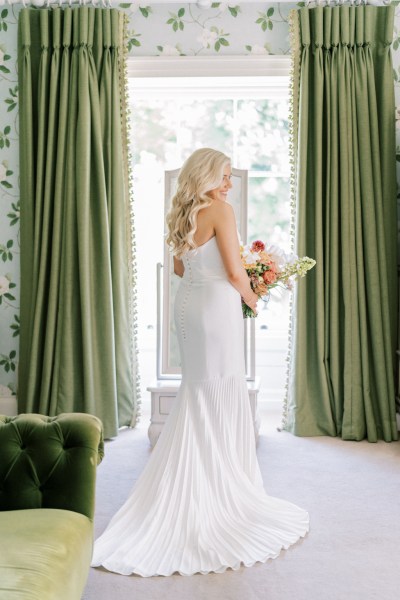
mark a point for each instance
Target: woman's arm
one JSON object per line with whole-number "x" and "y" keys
{"x": 227, "y": 239}
{"x": 179, "y": 269}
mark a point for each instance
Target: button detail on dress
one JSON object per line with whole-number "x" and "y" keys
{"x": 188, "y": 280}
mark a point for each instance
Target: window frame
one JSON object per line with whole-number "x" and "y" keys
{"x": 240, "y": 77}
{"x": 272, "y": 65}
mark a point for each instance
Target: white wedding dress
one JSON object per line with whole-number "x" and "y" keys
{"x": 199, "y": 505}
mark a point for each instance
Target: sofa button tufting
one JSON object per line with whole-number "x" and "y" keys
{"x": 29, "y": 536}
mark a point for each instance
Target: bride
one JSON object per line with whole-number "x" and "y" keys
{"x": 199, "y": 505}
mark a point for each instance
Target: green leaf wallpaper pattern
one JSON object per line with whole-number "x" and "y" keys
{"x": 226, "y": 28}
{"x": 9, "y": 198}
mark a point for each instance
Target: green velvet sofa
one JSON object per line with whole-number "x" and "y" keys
{"x": 47, "y": 492}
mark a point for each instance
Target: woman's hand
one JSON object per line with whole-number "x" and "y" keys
{"x": 251, "y": 301}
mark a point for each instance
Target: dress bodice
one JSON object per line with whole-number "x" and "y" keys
{"x": 203, "y": 263}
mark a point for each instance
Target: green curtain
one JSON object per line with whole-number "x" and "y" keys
{"x": 76, "y": 346}
{"x": 345, "y": 321}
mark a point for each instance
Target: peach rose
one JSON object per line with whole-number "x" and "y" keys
{"x": 269, "y": 276}
{"x": 260, "y": 288}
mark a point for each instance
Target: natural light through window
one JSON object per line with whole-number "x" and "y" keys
{"x": 246, "y": 118}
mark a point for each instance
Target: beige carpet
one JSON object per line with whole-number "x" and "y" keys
{"x": 351, "y": 490}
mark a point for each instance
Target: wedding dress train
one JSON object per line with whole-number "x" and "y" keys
{"x": 199, "y": 505}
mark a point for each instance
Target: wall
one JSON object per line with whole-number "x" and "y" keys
{"x": 172, "y": 29}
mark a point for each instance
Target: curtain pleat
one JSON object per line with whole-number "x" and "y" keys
{"x": 75, "y": 331}
{"x": 344, "y": 338}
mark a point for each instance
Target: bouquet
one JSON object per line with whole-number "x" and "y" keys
{"x": 270, "y": 267}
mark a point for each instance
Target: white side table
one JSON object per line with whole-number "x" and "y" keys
{"x": 163, "y": 393}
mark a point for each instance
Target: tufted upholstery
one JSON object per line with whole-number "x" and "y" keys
{"x": 47, "y": 489}
{"x": 49, "y": 462}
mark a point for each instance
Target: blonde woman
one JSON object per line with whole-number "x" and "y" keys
{"x": 199, "y": 506}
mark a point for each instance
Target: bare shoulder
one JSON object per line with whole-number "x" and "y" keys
{"x": 220, "y": 210}
{"x": 221, "y": 207}
{"x": 214, "y": 214}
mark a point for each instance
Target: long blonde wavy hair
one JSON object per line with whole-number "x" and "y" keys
{"x": 201, "y": 173}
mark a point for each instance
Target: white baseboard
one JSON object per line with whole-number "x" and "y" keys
{"x": 8, "y": 406}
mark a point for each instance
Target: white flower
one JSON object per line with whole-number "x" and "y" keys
{"x": 249, "y": 256}
{"x": 207, "y": 38}
{"x": 205, "y": 4}
{"x": 278, "y": 256}
{"x": 169, "y": 51}
{"x": 256, "y": 49}
{"x": 291, "y": 258}
{"x": 397, "y": 117}
{"x": 5, "y": 391}
{"x": 4, "y": 285}
{"x": 3, "y": 171}
{"x": 1, "y": 57}
{"x": 134, "y": 7}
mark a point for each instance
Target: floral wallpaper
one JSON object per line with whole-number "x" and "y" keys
{"x": 9, "y": 201}
{"x": 226, "y": 28}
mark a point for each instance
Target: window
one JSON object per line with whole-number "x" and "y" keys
{"x": 245, "y": 116}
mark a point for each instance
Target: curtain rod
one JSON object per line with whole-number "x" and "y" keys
{"x": 205, "y": 4}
